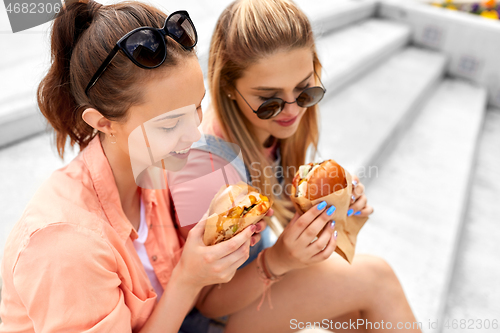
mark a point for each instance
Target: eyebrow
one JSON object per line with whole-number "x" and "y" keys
{"x": 169, "y": 117}
{"x": 280, "y": 89}
{"x": 173, "y": 116}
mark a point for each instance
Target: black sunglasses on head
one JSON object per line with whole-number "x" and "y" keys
{"x": 146, "y": 46}
{"x": 273, "y": 106}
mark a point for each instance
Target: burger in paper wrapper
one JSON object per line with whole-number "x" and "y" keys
{"x": 328, "y": 181}
{"x": 234, "y": 208}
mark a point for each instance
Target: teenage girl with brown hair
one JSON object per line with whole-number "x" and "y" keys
{"x": 94, "y": 252}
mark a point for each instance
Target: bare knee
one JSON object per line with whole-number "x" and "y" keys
{"x": 377, "y": 270}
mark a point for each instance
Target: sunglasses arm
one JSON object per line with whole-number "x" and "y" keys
{"x": 103, "y": 67}
{"x": 322, "y": 85}
{"x": 244, "y": 99}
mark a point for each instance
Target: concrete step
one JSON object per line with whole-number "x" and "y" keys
{"x": 327, "y": 15}
{"x": 21, "y": 71}
{"x": 471, "y": 42}
{"x": 353, "y": 51}
{"x": 474, "y": 291}
{"x": 420, "y": 192}
{"x": 360, "y": 123}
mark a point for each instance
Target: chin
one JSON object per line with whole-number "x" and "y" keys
{"x": 172, "y": 163}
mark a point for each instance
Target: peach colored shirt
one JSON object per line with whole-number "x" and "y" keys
{"x": 69, "y": 263}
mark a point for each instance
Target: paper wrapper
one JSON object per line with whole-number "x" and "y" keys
{"x": 224, "y": 200}
{"x": 347, "y": 226}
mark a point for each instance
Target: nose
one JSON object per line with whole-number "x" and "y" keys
{"x": 191, "y": 135}
{"x": 291, "y": 108}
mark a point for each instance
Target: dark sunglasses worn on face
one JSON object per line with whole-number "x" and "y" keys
{"x": 273, "y": 106}
{"x": 146, "y": 46}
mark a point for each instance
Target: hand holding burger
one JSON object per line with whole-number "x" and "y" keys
{"x": 316, "y": 180}
{"x": 327, "y": 181}
{"x": 233, "y": 209}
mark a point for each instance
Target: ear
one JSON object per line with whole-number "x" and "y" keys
{"x": 229, "y": 91}
{"x": 231, "y": 94}
{"x": 95, "y": 119}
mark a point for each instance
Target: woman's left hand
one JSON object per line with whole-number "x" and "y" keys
{"x": 359, "y": 206}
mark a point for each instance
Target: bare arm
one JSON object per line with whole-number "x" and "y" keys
{"x": 176, "y": 302}
{"x": 214, "y": 302}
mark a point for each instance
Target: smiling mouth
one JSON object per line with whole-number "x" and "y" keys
{"x": 184, "y": 151}
{"x": 182, "y": 154}
{"x": 287, "y": 122}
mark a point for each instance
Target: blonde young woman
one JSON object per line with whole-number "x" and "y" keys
{"x": 264, "y": 81}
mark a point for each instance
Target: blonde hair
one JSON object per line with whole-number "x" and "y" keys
{"x": 247, "y": 31}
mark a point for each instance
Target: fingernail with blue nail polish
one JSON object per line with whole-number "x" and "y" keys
{"x": 322, "y": 205}
{"x": 335, "y": 234}
{"x": 349, "y": 212}
{"x": 357, "y": 213}
{"x": 354, "y": 183}
{"x": 330, "y": 210}
{"x": 332, "y": 225}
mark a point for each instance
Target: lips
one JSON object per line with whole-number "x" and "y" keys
{"x": 181, "y": 151}
{"x": 287, "y": 121}
{"x": 184, "y": 153}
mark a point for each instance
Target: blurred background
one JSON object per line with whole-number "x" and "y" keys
{"x": 416, "y": 85}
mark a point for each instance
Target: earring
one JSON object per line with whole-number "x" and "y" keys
{"x": 113, "y": 139}
{"x": 229, "y": 95}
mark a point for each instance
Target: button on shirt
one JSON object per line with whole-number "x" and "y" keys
{"x": 69, "y": 263}
{"x": 143, "y": 254}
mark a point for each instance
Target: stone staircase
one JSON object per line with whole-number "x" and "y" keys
{"x": 423, "y": 141}
{"x": 474, "y": 292}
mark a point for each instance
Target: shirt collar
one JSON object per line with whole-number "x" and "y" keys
{"x": 107, "y": 192}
